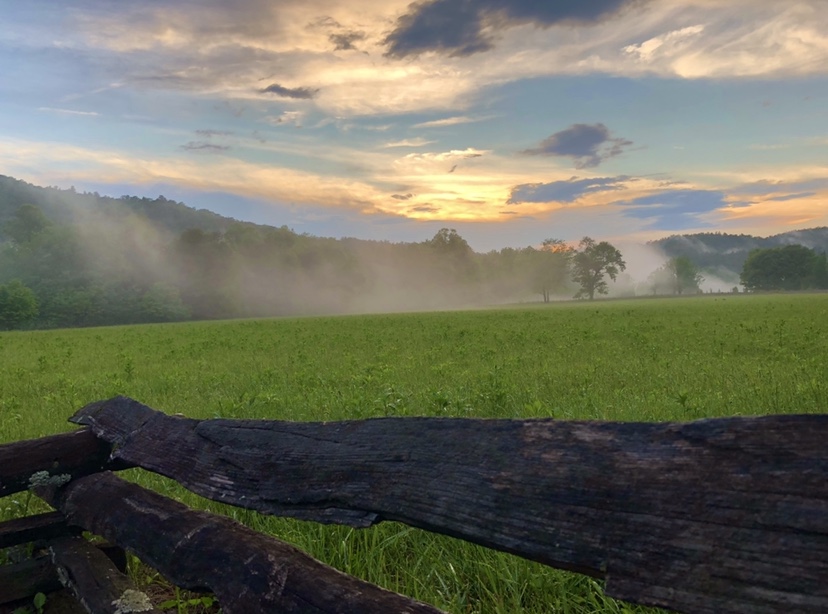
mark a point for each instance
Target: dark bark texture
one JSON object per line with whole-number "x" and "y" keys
{"x": 248, "y": 572}
{"x": 24, "y": 579}
{"x": 50, "y": 460}
{"x": 95, "y": 581}
{"x": 722, "y": 515}
{"x": 32, "y": 528}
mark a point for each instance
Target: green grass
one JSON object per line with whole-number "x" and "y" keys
{"x": 645, "y": 360}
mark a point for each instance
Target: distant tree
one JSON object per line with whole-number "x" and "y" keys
{"x": 447, "y": 240}
{"x": 207, "y": 274}
{"x": 26, "y": 223}
{"x": 162, "y": 303}
{"x": 676, "y": 276}
{"x": 820, "y": 271}
{"x": 550, "y": 267}
{"x": 591, "y": 263}
{"x": 779, "y": 268}
{"x": 454, "y": 253}
{"x": 18, "y": 305}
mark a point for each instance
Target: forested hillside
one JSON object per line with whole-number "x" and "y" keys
{"x": 69, "y": 206}
{"x": 81, "y": 259}
{"x": 725, "y": 254}
{"x": 93, "y": 260}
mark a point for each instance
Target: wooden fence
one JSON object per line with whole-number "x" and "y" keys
{"x": 721, "y": 515}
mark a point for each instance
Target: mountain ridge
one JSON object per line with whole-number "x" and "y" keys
{"x": 712, "y": 251}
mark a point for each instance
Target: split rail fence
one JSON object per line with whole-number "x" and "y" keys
{"x": 712, "y": 516}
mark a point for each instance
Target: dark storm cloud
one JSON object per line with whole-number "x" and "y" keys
{"x": 563, "y": 191}
{"x": 289, "y": 92}
{"x": 448, "y": 26}
{"x": 457, "y": 27}
{"x": 345, "y": 40}
{"x": 587, "y": 144}
{"x": 205, "y": 147}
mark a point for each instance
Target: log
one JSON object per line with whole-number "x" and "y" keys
{"x": 94, "y": 579}
{"x": 50, "y": 460}
{"x": 27, "y": 578}
{"x": 248, "y": 572}
{"x": 32, "y": 528}
{"x": 38, "y": 574}
{"x": 720, "y": 515}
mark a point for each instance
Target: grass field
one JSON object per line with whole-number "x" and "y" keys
{"x": 643, "y": 360}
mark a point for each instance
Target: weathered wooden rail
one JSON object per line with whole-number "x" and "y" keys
{"x": 722, "y": 515}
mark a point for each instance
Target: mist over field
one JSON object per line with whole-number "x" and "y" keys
{"x": 94, "y": 260}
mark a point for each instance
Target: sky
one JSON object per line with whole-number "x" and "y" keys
{"x": 512, "y": 122}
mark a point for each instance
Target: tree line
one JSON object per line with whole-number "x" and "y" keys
{"x": 786, "y": 268}
{"x": 64, "y": 274}
{"x": 124, "y": 270}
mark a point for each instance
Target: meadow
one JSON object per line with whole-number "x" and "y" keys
{"x": 629, "y": 360}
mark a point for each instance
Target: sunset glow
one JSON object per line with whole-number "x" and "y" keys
{"x": 511, "y": 122}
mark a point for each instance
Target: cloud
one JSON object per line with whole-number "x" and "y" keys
{"x": 448, "y": 121}
{"x": 345, "y": 40}
{"x": 454, "y": 154}
{"x": 564, "y": 191}
{"x": 587, "y": 144}
{"x": 67, "y": 111}
{"x": 302, "y": 93}
{"x": 676, "y": 210}
{"x": 211, "y": 133}
{"x": 204, "y": 146}
{"x": 795, "y": 196}
{"x": 784, "y": 189}
{"x": 670, "y": 42}
{"x": 418, "y": 142}
{"x": 287, "y": 118}
{"x": 224, "y": 50}
{"x": 462, "y": 27}
{"x": 425, "y": 209}
{"x": 402, "y": 196}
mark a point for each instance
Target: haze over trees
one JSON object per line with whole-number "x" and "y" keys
{"x": 676, "y": 276}
{"x": 550, "y": 266}
{"x": 91, "y": 260}
{"x": 723, "y": 255}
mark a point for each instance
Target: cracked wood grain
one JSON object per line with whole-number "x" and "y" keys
{"x": 249, "y": 573}
{"x": 56, "y": 458}
{"x": 721, "y": 515}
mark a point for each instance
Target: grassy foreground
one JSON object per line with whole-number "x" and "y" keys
{"x": 643, "y": 360}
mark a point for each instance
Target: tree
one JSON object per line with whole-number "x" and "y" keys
{"x": 162, "y": 303}
{"x": 676, "y": 276}
{"x": 791, "y": 267}
{"x": 550, "y": 267}
{"x": 26, "y": 223}
{"x": 448, "y": 241}
{"x": 591, "y": 262}
{"x": 207, "y": 274}
{"x": 820, "y": 271}
{"x": 455, "y": 255}
{"x": 18, "y": 305}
